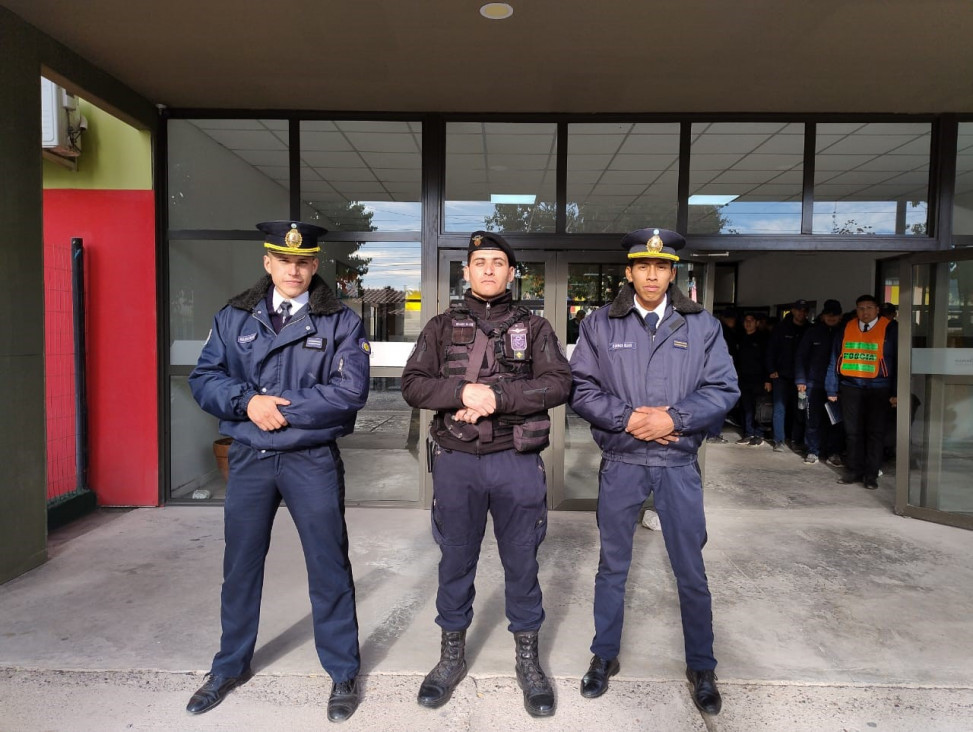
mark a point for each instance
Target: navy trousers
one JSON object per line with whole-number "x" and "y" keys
{"x": 512, "y": 487}
{"x": 865, "y": 413}
{"x": 313, "y": 485}
{"x": 678, "y": 493}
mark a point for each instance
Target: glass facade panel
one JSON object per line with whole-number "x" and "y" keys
{"x": 963, "y": 197}
{"x": 872, "y": 178}
{"x": 362, "y": 175}
{"x": 227, "y": 173}
{"x": 500, "y": 176}
{"x": 746, "y": 178}
{"x": 941, "y": 408}
{"x": 622, "y": 176}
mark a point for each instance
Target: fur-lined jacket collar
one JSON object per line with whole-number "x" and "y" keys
{"x": 321, "y": 300}
{"x": 625, "y": 300}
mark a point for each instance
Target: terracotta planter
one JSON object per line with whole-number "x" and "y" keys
{"x": 221, "y": 450}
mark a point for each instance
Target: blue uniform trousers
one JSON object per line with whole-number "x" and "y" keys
{"x": 512, "y": 487}
{"x": 312, "y": 483}
{"x": 678, "y": 492}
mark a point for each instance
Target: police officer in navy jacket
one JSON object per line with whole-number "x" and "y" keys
{"x": 652, "y": 374}
{"x": 491, "y": 371}
{"x": 285, "y": 368}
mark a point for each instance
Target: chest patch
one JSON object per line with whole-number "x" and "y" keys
{"x": 680, "y": 344}
{"x": 620, "y": 346}
{"x": 315, "y": 342}
{"x": 247, "y": 338}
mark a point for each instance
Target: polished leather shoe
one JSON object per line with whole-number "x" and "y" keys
{"x": 214, "y": 691}
{"x": 706, "y": 696}
{"x": 343, "y": 700}
{"x": 871, "y": 483}
{"x": 595, "y": 682}
{"x": 848, "y": 479}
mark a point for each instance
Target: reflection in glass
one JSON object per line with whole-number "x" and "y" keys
{"x": 381, "y": 455}
{"x": 941, "y": 400}
{"x": 871, "y": 178}
{"x": 963, "y": 195}
{"x": 227, "y": 173}
{"x": 746, "y": 178}
{"x": 500, "y": 176}
{"x": 622, "y": 176}
{"x": 362, "y": 175}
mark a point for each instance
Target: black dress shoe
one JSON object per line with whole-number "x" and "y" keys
{"x": 343, "y": 700}
{"x": 213, "y": 691}
{"x": 706, "y": 696}
{"x": 849, "y": 478}
{"x": 871, "y": 483}
{"x": 595, "y": 682}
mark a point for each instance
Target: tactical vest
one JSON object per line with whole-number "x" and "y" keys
{"x": 508, "y": 356}
{"x": 863, "y": 354}
{"x": 508, "y": 351}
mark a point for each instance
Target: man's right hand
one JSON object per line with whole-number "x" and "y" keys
{"x": 263, "y": 411}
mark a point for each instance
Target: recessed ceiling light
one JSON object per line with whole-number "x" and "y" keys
{"x": 713, "y": 200}
{"x": 513, "y": 198}
{"x": 496, "y": 11}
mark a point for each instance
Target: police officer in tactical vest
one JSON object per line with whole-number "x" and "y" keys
{"x": 491, "y": 371}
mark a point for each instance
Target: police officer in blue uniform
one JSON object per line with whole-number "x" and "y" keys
{"x": 490, "y": 370}
{"x": 652, "y": 375}
{"x": 285, "y": 368}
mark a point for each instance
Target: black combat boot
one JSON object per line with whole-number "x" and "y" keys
{"x": 538, "y": 692}
{"x": 439, "y": 683}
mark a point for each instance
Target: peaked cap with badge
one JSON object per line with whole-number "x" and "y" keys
{"x": 480, "y": 240}
{"x": 653, "y": 244}
{"x": 291, "y": 237}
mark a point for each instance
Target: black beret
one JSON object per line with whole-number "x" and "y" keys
{"x": 291, "y": 237}
{"x": 480, "y": 240}
{"x": 653, "y": 244}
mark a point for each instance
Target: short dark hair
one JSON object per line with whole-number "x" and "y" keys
{"x": 867, "y": 298}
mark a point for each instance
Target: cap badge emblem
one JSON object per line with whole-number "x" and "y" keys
{"x": 654, "y": 244}
{"x": 293, "y": 238}
{"x": 477, "y": 240}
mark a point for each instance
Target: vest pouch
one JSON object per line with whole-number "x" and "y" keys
{"x": 534, "y": 434}
{"x": 463, "y": 431}
{"x": 516, "y": 342}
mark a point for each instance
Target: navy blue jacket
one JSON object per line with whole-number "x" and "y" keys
{"x": 783, "y": 346}
{"x": 617, "y": 366}
{"x": 814, "y": 353}
{"x": 319, "y": 361}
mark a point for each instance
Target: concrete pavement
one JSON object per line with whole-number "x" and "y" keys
{"x": 831, "y": 613}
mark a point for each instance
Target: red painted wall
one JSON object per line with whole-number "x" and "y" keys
{"x": 118, "y": 228}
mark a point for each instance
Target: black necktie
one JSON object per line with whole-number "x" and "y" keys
{"x": 652, "y": 320}
{"x": 865, "y": 328}
{"x": 285, "y": 312}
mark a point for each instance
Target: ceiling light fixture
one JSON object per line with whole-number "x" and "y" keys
{"x": 521, "y": 199}
{"x": 496, "y": 11}
{"x": 704, "y": 200}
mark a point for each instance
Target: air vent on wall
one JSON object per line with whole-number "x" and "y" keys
{"x": 61, "y": 122}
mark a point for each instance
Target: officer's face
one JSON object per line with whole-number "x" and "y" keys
{"x": 750, "y": 324}
{"x": 488, "y": 273}
{"x": 291, "y": 273}
{"x": 800, "y": 315}
{"x": 830, "y": 319}
{"x": 867, "y": 311}
{"x": 651, "y": 278}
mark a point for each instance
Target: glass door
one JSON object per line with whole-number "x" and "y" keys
{"x": 934, "y": 451}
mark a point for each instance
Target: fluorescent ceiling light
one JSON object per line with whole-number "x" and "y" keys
{"x": 496, "y": 11}
{"x": 512, "y": 198}
{"x": 700, "y": 200}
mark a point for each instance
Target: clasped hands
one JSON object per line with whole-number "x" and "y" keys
{"x": 263, "y": 410}
{"x": 478, "y": 401}
{"x": 652, "y": 424}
